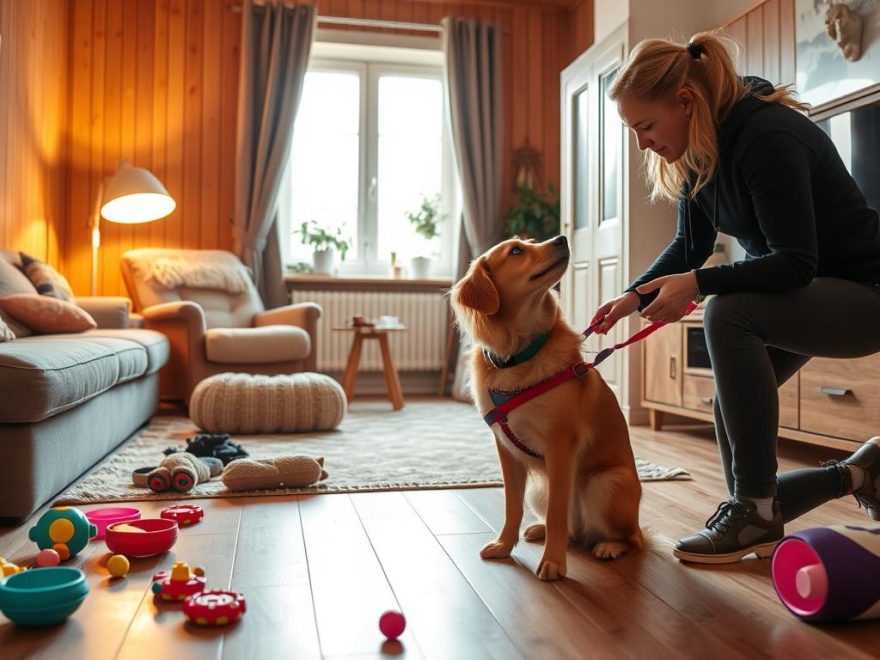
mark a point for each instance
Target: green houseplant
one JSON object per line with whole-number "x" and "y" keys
{"x": 425, "y": 221}
{"x": 323, "y": 245}
{"x": 534, "y": 215}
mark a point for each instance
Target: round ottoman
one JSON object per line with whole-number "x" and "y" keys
{"x": 248, "y": 403}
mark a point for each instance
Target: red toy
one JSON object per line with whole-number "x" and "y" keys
{"x": 179, "y": 583}
{"x": 392, "y": 624}
{"x": 183, "y": 514}
{"x": 215, "y": 607}
{"x": 142, "y": 538}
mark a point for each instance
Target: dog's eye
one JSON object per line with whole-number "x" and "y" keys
{"x": 515, "y": 250}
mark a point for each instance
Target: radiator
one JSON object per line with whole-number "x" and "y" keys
{"x": 421, "y": 347}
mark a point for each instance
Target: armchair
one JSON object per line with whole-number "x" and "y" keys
{"x": 205, "y": 302}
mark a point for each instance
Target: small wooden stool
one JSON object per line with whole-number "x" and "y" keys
{"x": 395, "y": 393}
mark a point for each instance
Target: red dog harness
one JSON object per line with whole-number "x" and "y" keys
{"x": 508, "y": 401}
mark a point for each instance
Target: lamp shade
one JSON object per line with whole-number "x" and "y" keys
{"x": 134, "y": 195}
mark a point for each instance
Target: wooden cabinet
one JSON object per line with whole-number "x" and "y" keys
{"x": 835, "y": 403}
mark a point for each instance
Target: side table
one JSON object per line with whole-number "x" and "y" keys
{"x": 395, "y": 393}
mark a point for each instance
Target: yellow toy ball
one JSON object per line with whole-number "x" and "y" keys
{"x": 118, "y": 566}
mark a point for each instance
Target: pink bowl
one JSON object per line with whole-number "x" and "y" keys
{"x": 157, "y": 535}
{"x": 108, "y": 515}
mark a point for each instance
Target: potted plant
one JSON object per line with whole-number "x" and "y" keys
{"x": 425, "y": 221}
{"x": 323, "y": 243}
{"x": 534, "y": 215}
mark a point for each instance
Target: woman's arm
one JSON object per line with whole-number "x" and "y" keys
{"x": 776, "y": 170}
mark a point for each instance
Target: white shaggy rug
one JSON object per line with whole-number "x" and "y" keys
{"x": 428, "y": 444}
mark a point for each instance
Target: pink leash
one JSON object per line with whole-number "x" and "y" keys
{"x": 499, "y": 414}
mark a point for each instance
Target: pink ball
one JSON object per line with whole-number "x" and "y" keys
{"x": 48, "y": 557}
{"x": 392, "y": 624}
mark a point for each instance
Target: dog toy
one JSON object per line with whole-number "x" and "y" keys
{"x": 183, "y": 514}
{"x": 182, "y": 472}
{"x": 118, "y": 565}
{"x": 8, "y": 568}
{"x": 392, "y": 624}
{"x": 178, "y": 583}
{"x": 213, "y": 445}
{"x": 829, "y": 573}
{"x": 48, "y": 557}
{"x": 283, "y": 472}
{"x": 64, "y": 529}
{"x": 215, "y": 607}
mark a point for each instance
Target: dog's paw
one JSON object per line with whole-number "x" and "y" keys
{"x": 535, "y": 532}
{"x": 610, "y": 549}
{"x": 496, "y": 550}
{"x": 551, "y": 569}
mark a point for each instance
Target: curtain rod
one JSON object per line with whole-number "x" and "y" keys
{"x": 364, "y": 22}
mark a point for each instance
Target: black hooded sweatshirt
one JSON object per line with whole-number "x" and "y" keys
{"x": 783, "y": 192}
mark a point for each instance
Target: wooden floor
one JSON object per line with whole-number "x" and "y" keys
{"x": 318, "y": 571}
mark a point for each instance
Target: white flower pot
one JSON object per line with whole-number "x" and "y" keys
{"x": 420, "y": 268}
{"x": 322, "y": 260}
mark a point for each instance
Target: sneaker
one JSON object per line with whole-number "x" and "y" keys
{"x": 734, "y": 531}
{"x": 866, "y": 457}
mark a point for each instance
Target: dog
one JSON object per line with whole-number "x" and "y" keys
{"x": 584, "y": 483}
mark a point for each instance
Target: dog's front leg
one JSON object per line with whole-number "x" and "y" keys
{"x": 514, "y": 474}
{"x": 560, "y": 479}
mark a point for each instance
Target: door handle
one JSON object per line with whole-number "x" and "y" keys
{"x": 706, "y": 400}
{"x": 673, "y": 372}
{"x": 834, "y": 391}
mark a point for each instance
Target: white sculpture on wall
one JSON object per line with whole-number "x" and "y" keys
{"x": 844, "y": 26}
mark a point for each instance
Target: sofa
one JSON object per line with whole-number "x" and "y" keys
{"x": 67, "y": 400}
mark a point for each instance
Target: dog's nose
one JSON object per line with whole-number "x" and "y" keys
{"x": 560, "y": 240}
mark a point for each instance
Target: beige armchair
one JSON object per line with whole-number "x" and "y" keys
{"x": 206, "y": 303}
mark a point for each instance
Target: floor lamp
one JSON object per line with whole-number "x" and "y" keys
{"x": 131, "y": 196}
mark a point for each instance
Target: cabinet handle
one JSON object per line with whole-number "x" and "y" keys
{"x": 834, "y": 391}
{"x": 673, "y": 372}
{"x": 706, "y": 400}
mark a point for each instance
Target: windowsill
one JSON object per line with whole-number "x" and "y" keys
{"x": 362, "y": 283}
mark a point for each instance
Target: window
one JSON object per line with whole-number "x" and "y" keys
{"x": 370, "y": 141}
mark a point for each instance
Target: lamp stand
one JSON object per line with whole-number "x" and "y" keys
{"x": 95, "y": 225}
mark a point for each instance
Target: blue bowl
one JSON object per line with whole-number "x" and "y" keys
{"x": 43, "y": 596}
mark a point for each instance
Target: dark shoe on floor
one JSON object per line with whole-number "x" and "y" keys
{"x": 866, "y": 457}
{"x": 734, "y": 531}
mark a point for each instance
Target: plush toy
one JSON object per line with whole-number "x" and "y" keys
{"x": 283, "y": 472}
{"x": 182, "y": 472}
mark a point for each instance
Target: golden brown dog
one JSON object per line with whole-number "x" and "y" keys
{"x": 586, "y": 486}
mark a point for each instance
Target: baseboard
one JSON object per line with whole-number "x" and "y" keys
{"x": 415, "y": 383}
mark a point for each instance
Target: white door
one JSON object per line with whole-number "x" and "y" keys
{"x": 592, "y": 192}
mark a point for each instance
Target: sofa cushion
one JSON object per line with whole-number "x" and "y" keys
{"x": 155, "y": 343}
{"x": 46, "y": 315}
{"x": 132, "y": 356}
{"x": 269, "y": 343}
{"x": 13, "y": 281}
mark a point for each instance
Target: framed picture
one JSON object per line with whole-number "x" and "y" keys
{"x": 837, "y": 50}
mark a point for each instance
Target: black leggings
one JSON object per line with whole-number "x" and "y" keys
{"x": 756, "y": 342}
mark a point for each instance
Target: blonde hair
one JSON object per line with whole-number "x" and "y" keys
{"x": 656, "y": 69}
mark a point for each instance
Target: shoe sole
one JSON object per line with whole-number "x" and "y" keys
{"x": 763, "y": 551}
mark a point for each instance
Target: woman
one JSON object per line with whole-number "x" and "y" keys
{"x": 738, "y": 157}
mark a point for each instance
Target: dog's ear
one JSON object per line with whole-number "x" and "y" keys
{"x": 477, "y": 290}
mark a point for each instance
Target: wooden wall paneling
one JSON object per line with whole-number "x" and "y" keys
{"x": 111, "y": 233}
{"x": 96, "y": 119}
{"x": 159, "y": 142}
{"x": 143, "y": 90}
{"x": 738, "y": 32}
{"x": 771, "y": 45}
{"x": 228, "y": 118}
{"x": 755, "y": 42}
{"x": 209, "y": 214}
{"x": 787, "y": 41}
{"x": 191, "y": 216}
{"x": 128, "y": 114}
{"x": 174, "y": 149}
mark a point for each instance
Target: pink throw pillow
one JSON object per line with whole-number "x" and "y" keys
{"x": 46, "y": 315}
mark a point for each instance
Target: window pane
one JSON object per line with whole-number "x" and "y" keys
{"x": 410, "y": 161}
{"x": 612, "y": 147}
{"x": 581, "y": 162}
{"x": 324, "y": 160}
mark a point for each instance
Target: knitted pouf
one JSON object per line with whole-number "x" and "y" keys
{"x": 246, "y": 403}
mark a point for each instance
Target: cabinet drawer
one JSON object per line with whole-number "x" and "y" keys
{"x": 841, "y": 397}
{"x": 698, "y": 393}
{"x": 789, "y": 403}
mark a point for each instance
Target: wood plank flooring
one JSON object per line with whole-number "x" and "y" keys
{"x": 318, "y": 571}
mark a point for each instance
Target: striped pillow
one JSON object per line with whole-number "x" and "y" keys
{"x": 46, "y": 280}
{"x": 5, "y": 333}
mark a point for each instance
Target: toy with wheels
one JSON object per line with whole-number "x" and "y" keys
{"x": 179, "y": 583}
{"x": 8, "y": 568}
{"x": 183, "y": 514}
{"x": 214, "y": 607}
{"x": 829, "y": 573}
{"x": 64, "y": 529}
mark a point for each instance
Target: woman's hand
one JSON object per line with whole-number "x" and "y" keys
{"x": 676, "y": 294}
{"x": 614, "y": 310}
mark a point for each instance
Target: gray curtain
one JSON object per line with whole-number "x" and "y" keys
{"x": 473, "y": 68}
{"x": 276, "y": 40}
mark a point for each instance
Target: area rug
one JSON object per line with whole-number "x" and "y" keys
{"x": 428, "y": 444}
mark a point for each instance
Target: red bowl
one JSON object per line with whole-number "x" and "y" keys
{"x": 105, "y": 516}
{"x": 158, "y": 535}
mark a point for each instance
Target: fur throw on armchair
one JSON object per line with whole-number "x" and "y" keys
{"x": 172, "y": 273}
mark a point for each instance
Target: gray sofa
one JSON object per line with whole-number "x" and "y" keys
{"x": 67, "y": 400}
